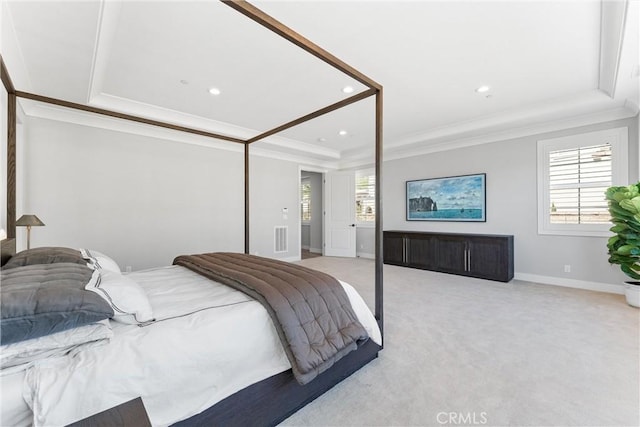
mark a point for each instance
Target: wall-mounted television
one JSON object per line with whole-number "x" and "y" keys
{"x": 452, "y": 198}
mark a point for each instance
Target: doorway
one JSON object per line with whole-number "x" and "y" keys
{"x": 311, "y": 213}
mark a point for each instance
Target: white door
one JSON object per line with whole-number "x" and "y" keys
{"x": 340, "y": 214}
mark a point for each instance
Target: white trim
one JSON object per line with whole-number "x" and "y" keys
{"x": 612, "y": 23}
{"x": 83, "y": 118}
{"x": 429, "y": 144}
{"x": 18, "y": 68}
{"x": 290, "y": 259}
{"x": 571, "y": 283}
{"x": 618, "y": 137}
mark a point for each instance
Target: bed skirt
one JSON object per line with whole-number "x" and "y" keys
{"x": 271, "y": 401}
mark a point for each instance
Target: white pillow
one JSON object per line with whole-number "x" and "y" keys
{"x": 57, "y": 344}
{"x": 100, "y": 260}
{"x": 128, "y": 300}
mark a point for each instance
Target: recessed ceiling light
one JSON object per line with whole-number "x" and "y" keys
{"x": 483, "y": 89}
{"x": 342, "y": 133}
{"x": 214, "y": 91}
{"x": 348, "y": 89}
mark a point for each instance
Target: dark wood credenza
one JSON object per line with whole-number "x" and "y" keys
{"x": 486, "y": 256}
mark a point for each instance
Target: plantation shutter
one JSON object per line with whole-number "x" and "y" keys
{"x": 578, "y": 178}
{"x": 365, "y": 197}
{"x": 305, "y": 199}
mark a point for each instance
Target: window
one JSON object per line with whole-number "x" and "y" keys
{"x": 573, "y": 174}
{"x": 305, "y": 199}
{"x": 365, "y": 196}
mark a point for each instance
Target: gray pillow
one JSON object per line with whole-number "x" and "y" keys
{"x": 42, "y": 299}
{"x": 46, "y": 255}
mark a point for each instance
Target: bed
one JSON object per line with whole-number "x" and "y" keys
{"x": 262, "y": 397}
{"x": 173, "y": 329}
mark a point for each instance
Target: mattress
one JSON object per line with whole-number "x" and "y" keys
{"x": 208, "y": 342}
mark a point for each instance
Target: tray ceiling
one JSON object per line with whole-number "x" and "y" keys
{"x": 158, "y": 59}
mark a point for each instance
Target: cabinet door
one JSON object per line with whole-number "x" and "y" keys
{"x": 393, "y": 249}
{"x": 488, "y": 258}
{"x": 421, "y": 251}
{"x": 451, "y": 256}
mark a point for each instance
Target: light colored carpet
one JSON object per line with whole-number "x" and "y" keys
{"x": 463, "y": 351}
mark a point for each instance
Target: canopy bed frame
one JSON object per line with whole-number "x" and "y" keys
{"x": 274, "y": 399}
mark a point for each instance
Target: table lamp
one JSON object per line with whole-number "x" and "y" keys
{"x": 29, "y": 221}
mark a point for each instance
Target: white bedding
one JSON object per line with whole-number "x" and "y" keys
{"x": 175, "y": 364}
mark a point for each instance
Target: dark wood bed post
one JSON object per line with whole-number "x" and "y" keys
{"x": 11, "y": 149}
{"x": 374, "y": 88}
{"x": 246, "y": 198}
{"x": 378, "y": 240}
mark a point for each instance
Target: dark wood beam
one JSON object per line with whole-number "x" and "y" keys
{"x": 287, "y": 33}
{"x": 124, "y": 116}
{"x": 362, "y": 95}
{"x": 6, "y": 78}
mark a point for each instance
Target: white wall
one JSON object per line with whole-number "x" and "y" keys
{"x": 511, "y": 205}
{"x": 274, "y": 185}
{"x": 142, "y": 200}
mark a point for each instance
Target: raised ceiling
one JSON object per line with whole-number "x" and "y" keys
{"x": 545, "y": 62}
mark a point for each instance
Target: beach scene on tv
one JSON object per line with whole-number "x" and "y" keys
{"x": 460, "y": 198}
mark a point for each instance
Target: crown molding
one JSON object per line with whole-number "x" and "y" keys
{"x": 108, "y": 18}
{"x": 83, "y": 118}
{"x": 395, "y": 153}
{"x": 612, "y": 22}
{"x": 12, "y": 51}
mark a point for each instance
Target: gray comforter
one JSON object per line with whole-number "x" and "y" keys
{"x": 310, "y": 309}
{"x": 42, "y": 299}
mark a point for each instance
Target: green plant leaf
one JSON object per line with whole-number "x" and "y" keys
{"x": 624, "y": 250}
{"x": 617, "y": 212}
{"x": 628, "y": 205}
{"x": 629, "y": 272}
{"x": 636, "y": 202}
{"x": 619, "y": 227}
{"x": 624, "y": 247}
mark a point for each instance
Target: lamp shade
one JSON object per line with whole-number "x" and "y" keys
{"x": 29, "y": 220}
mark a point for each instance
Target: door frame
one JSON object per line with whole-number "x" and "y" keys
{"x": 322, "y": 171}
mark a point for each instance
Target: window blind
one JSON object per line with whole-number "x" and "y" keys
{"x": 365, "y": 197}
{"x": 578, "y": 178}
{"x": 305, "y": 200}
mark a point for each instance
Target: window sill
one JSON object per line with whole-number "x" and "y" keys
{"x": 577, "y": 233}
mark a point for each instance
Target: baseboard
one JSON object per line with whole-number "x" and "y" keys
{"x": 366, "y": 255}
{"x": 305, "y": 247}
{"x": 571, "y": 283}
{"x": 315, "y": 250}
{"x": 289, "y": 259}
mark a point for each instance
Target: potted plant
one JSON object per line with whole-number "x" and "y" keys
{"x": 624, "y": 246}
